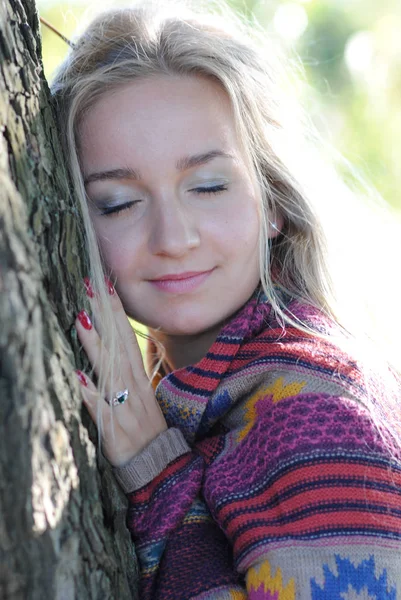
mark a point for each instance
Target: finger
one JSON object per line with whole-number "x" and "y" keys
{"x": 120, "y": 379}
{"x": 95, "y": 304}
{"x": 91, "y": 342}
{"x": 95, "y": 350}
{"x": 118, "y": 372}
{"x": 99, "y": 410}
{"x": 130, "y": 354}
{"x": 128, "y": 338}
{"x": 90, "y": 395}
{"x": 116, "y": 444}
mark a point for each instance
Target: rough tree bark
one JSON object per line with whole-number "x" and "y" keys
{"x": 62, "y": 530}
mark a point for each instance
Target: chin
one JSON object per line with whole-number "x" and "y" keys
{"x": 190, "y": 328}
{"x": 185, "y": 324}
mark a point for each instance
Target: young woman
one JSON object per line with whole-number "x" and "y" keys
{"x": 264, "y": 460}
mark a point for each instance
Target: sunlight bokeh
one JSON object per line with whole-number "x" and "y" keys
{"x": 352, "y": 58}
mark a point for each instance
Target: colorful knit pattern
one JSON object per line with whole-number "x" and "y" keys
{"x": 289, "y": 491}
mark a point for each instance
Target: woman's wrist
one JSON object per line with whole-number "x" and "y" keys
{"x": 152, "y": 460}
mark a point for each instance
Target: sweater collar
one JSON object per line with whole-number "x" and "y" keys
{"x": 185, "y": 393}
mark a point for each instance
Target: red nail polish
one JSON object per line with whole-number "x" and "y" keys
{"x": 82, "y": 378}
{"x": 88, "y": 287}
{"x": 84, "y": 319}
{"x": 110, "y": 286}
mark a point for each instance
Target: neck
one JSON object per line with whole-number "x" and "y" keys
{"x": 185, "y": 350}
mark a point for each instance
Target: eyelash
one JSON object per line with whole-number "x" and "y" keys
{"x": 215, "y": 189}
{"x": 115, "y": 210}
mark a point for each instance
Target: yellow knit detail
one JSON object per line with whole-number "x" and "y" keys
{"x": 263, "y": 575}
{"x": 278, "y": 391}
{"x": 237, "y": 595}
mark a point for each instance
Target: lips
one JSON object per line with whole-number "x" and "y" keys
{"x": 180, "y": 282}
{"x": 177, "y": 276}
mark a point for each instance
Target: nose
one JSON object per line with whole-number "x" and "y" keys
{"x": 174, "y": 230}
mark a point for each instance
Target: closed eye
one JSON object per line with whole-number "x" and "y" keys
{"x": 212, "y": 189}
{"x": 115, "y": 210}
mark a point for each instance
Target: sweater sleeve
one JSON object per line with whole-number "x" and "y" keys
{"x": 153, "y": 459}
{"x": 182, "y": 551}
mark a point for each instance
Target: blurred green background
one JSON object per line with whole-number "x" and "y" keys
{"x": 352, "y": 56}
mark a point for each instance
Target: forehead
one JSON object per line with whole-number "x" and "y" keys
{"x": 160, "y": 117}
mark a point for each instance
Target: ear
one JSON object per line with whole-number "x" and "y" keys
{"x": 275, "y": 226}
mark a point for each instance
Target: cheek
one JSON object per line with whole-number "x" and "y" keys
{"x": 240, "y": 234}
{"x": 118, "y": 252}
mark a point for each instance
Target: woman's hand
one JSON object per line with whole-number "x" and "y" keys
{"x": 126, "y": 428}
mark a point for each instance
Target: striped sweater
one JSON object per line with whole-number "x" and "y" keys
{"x": 271, "y": 482}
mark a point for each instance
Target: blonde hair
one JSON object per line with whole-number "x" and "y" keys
{"x": 122, "y": 45}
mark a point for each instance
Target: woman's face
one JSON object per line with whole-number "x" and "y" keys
{"x": 174, "y": 207}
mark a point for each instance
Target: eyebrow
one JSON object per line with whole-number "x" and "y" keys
{"x": 188, "y": 162}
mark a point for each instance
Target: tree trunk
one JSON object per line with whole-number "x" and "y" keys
{"x": 62, "y": 520}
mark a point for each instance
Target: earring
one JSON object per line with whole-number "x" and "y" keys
{"x": 273, "y": 225}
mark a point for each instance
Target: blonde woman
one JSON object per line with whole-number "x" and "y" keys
{"x": 259, "y": 451}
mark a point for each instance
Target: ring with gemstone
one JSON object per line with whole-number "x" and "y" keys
{"x": 118, "y": 399}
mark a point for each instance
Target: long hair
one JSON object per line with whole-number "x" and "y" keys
{"x": 279, "y": 144}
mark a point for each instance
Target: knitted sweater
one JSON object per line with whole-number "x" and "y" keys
{"x": 271, "y": 482}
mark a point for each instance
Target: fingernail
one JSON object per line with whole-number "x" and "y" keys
{"x": 110, "y": 286}
{"x": 82, "y": 378}
{"x": 84, "y": 320}
{"x": 88, "y": 287}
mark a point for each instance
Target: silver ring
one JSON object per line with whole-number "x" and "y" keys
{"x": 118, "y": 399}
